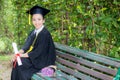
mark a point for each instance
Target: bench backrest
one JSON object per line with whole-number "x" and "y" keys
{"x": 76, "y": 64}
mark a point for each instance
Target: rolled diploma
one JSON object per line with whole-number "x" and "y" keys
{"x": 16, "y": 52}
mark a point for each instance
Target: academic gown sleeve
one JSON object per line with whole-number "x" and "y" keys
{"x": 28, "y": 42}
{"x": 52, "y": 53}
{"x": 43, "y": 53}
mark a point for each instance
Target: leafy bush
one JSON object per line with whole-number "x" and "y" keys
{"x": 5, "y": 45}
{"x": 92, "y": 25}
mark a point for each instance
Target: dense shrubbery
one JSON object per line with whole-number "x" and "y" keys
{"x": 92, "y": 25}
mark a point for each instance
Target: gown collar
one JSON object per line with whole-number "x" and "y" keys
{"x": 37, "y": 31}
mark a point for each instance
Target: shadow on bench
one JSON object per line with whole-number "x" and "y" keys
{"x": 76, "y": 64}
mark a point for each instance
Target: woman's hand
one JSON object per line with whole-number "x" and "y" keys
{"x": 21, "y": 51}
{"x": 24, "y": 55}
{"x": 14, "y": 57}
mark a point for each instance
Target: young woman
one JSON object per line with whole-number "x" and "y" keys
{"x": 42, "y": 52}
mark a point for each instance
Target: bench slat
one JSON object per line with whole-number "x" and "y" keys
{"x": 87, "y": 63}
{"x": 45, "y": 78}
{"x": 36, "y": 77}
{"x": 87, "y": 55}
{"x": 72, "y": 72}
{"x": 57, "y": 77}
{"x": 85, "y": 70}
{"x": 68, "y": 77}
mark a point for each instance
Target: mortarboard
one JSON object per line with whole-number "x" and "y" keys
{"x": 37, "y": 10}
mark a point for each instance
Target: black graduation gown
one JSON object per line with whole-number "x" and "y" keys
{"x": 42, "y": 55}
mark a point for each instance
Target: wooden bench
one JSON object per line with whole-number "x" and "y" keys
{"x": 76, "y": 64}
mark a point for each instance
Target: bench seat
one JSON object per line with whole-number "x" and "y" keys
{"x": 76, "y": 64}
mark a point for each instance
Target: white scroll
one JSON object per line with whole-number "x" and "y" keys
{"x": 16, "y": 52}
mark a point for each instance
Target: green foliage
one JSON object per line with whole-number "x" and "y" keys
{"x": 7, "y": 17}
{"x": 5, "y": 45}
{"x": 92, "y": 25}
{"x": 5, "y": 57}
{"x": 2, "y": 46}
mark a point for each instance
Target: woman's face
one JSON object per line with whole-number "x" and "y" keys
{"x": 37, "y": 20}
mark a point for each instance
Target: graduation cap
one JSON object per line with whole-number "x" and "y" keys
{"x": 37, "y": 10}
